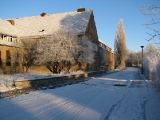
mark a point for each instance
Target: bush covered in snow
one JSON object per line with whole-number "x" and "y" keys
{"x": 151, "y": 63}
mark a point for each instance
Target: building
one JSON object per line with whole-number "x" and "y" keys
{"x": 13, "y": 31}
{"x": 10, "y": 49}
{"x": 106, "y": 56}
{"x": 80, "y": 22}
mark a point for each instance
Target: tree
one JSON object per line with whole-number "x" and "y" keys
{"x": 17, "y": 55}
{"x": 149, "y": 50}
{"x": 29, "y": 52}
{"x": 152, "y": 11}
{"x": 120, "y": 46}
{"x": 152, "y": 63}
{"x": 132, "y": 59}
{"x": 61, "y": 49}
{"x": 151, "y": 53}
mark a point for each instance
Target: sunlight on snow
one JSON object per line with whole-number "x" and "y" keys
{"x": 58, "y": 106}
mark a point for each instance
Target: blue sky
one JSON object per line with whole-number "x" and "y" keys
{"x": 107, "y": 14}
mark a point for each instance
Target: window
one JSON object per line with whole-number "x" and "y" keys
{"x": 0, "y": 59}
{"x": 4, "y": 37}
{"x": 11, "y": 39}
{"x": 8, "y": 58}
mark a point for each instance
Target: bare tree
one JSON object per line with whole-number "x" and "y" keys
{"x": 120, "y": 46}
{"x": 29, "y": 52}
{"x": 61, "y": 49}
{"x": 153, "y": 12}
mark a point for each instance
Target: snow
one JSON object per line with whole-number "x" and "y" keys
{"x": 95, "y": 99}
{"x": 7, "y": 28}
{"x": 50, "y": 23}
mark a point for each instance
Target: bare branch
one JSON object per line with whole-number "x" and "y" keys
{"x": 150, "y": 10}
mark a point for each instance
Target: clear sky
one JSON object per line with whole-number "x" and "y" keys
{"x": 107, "y": 14}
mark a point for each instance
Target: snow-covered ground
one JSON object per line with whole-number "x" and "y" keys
{"x": 95, "y": 99}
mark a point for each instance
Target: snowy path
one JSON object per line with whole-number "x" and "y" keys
{"x": 95, "y": 99}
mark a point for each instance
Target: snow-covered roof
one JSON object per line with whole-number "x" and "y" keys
{"x": 100, "y": 41}
{"x": 37, "y": 25}
{"x": 7, "y": 28}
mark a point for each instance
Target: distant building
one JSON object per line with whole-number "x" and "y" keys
{"x": 14, "y": 31}
{"x": 106, "y": 56}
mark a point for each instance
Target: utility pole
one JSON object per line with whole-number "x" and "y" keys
{"x": 142, "y": 60}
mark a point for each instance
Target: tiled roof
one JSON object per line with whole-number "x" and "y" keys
{"x": 47, "y": 25}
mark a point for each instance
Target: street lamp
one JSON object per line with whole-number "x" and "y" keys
{"x": 142, "y": 60}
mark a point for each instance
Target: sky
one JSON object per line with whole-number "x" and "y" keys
{"x": 107, "y": 13}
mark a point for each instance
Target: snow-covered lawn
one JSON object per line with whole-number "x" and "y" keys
{"x": 95, "y": 99}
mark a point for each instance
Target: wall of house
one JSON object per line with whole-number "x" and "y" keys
{"x": 110, "y": 60}
{"x": 10, "y": 60}
{"x": 91, "y": 32}
{"x": 106, "y": 58}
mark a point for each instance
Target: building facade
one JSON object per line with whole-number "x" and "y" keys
{"x": 106, "y": 56}
{"x": 13, "y": 32}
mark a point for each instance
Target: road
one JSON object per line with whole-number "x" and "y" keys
{"x": 124, "y": 95}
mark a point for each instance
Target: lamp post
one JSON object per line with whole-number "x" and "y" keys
{"x": 142, "y": 60}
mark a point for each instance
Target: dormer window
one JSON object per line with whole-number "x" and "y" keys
{"x": 41, "y": 30}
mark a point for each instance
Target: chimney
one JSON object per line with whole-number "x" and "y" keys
{"x": 43, "y": 14}
{"x": 12, "y": 22}
{"x": 81, "y": 9}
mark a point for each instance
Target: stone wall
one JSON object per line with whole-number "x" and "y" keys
{"x": 22, "y": 83}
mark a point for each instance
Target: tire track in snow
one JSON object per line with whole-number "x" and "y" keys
{"x": 143, "y": 107}
{"x": 113, "y": 107}
{"x": 124, "y": 96}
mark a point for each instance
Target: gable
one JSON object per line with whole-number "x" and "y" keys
{"x": 91, "y": 30}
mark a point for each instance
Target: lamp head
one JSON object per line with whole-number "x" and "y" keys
{"x": 142, "y": 47}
